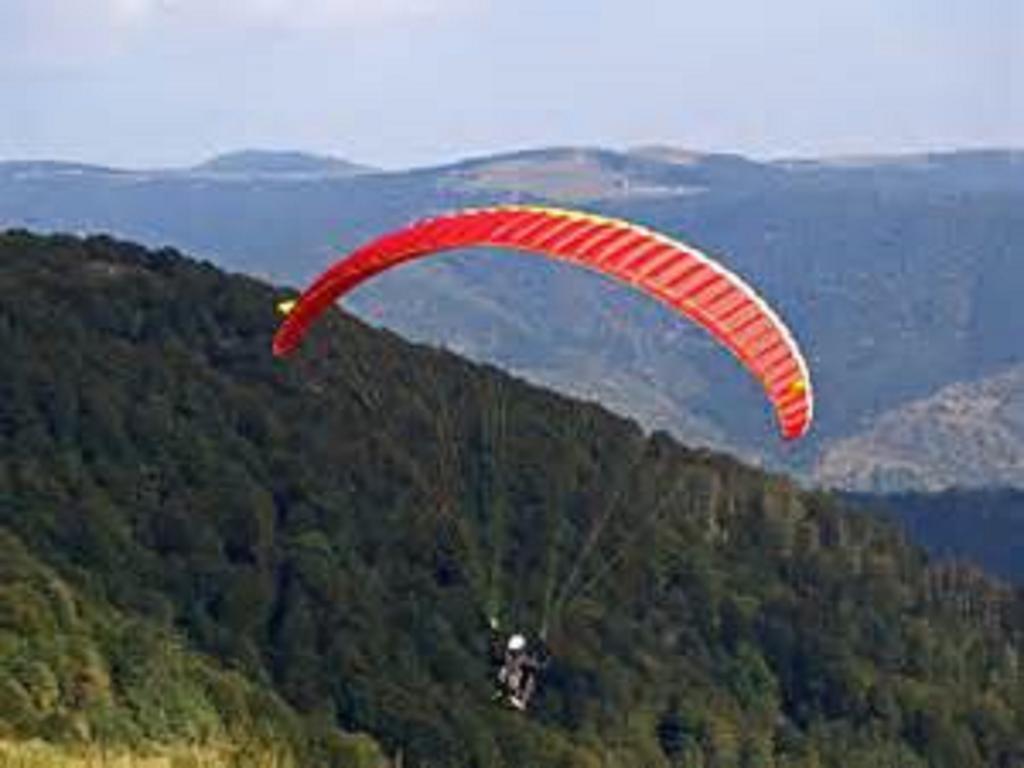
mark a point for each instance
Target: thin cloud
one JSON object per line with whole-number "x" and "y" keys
{"x": 295, "y": 14}
{"x": 28, "y": 25}
{"x": 71, "y": 37}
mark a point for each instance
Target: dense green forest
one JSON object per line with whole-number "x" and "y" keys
{"x": 331, "y": 532}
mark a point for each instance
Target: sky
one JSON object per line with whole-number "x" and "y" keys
{"x": 400, "y": 83}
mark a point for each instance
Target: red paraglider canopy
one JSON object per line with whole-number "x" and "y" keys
{"x": 676, "y": 274}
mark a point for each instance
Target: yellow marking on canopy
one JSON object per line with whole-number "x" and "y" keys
{"x": 798, "y": 385}
{"x": 286, "y": 306}
{"x": 564, "y": 213}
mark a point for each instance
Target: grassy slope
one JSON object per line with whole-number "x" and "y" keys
{"x": 102, "y": 688}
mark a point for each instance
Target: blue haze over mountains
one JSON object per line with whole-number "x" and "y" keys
{"x": 901, "y": 276}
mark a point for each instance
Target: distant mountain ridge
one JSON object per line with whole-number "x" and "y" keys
{"x": 900, "y": 276}
{"x": 279, "y": 164}
{"x": 284, "y": 165}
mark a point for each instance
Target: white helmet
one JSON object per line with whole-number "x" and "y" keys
{"x": 516, "y": 643}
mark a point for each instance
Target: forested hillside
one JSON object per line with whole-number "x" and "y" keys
{"x": 337, "y": 528}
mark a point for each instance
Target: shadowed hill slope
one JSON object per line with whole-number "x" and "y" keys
{"x": 340, "y": 525}
{"x": 985, "y": 527}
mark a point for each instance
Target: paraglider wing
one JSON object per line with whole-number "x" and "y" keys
{"x": 674, "y": 273}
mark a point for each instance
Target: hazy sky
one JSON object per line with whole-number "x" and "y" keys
{"x": 402, "y": 82}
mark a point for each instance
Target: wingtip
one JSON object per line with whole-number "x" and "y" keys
{"x": 282, "y": 345}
